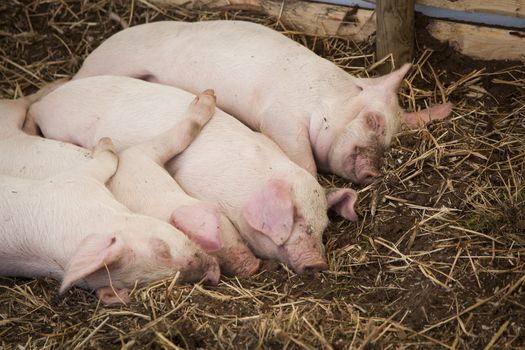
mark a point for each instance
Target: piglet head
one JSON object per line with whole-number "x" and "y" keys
{"x": 281, "y": 231}
{"x": 174, "y": 251}
{"x": 205, "y": 225}
{"x": 112, "y": 263}
{"x": 357, "y": 152}
{"x": 352, "y": 144}
{"x": 363, "y": 128}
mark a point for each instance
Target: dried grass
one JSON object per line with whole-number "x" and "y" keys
{"x": 436, "y": 260}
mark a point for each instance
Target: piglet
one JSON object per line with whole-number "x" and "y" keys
{"x": 278, "y": 207}
{"x": 315, "y": 111}
{"x": 140, "y": 182}
{"x": 70, "y": 227}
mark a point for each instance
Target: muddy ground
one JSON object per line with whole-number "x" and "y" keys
{"x": 435, "y": 261}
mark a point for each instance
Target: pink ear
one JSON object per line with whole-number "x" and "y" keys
{"x": 342, "y": 201}
{"x": 390, "y": 81}
{"x": 93, "y": 253}
{"x": 395, "y": 78}
{"x": 415, "y": 120}
{"x": 376, "y": 122}
{"x": 201, "y": 223}
{"x": 271, "y": 210}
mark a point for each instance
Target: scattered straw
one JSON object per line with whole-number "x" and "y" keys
{"x": 436, "y": 261}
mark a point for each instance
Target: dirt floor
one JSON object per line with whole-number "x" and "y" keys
{"x": 435, "y": 261}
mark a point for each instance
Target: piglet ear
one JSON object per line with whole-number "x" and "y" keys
{"x": 394, "y": 79}
{"x": 388, "y": 82}
{"x": 201, "y": 223}
{"x": 95, "y": 252}
{"x": 342, "y": 201}
{"x": 271, "y": 210}
{"x": 419, "y": 119}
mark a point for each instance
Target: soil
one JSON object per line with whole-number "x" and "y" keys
{"x": 452, "y": 65}
{"x": 435, "y": 261}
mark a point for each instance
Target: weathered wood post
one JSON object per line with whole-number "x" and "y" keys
{"x": 395, "y": 31}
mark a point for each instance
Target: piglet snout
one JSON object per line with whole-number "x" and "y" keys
{"x": 202, "y": 267}
{"x": 306, "y": 258}
{"x": 366, "y": 176}
{"x": 212, "y": 275}
{"x": 251, "y": 268}
{"x": 366, "y": 165}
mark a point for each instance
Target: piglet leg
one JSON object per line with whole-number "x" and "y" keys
{"x": 172, "y": 142}
{"x": 295, "y": 144}
{"x": 419, "y": 119}
{"x": 110, "y": 296}
{"x": 104, "y": 163}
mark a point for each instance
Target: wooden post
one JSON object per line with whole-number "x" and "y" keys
{"x": 395, "y": 31}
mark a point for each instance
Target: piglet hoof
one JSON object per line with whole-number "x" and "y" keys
{"x": 312, "y": 268}
{"x": 419, "y": 119}
{"x": 104, "y": 145}
{"x": 110, "y": 296}
{"x": 117, "y": 19}
{"x": 203, "y": 107}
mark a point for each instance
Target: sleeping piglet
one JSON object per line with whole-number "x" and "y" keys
{"x": 278, "y": 207}
{"x": 70, "y": 227}
{"x": 140, "y": 183}
{"x": 315, "y": 111}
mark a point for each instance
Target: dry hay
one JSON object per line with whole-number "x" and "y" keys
{"x": 436, "y": 260}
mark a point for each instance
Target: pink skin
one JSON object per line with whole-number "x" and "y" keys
{"x": 142, "y": 184}
{"x": 102, "y": 257}
{"x": 13, "y": 112}
{"x": 306, "y": 104}
{"x": 419, "y": 119}
{"x": 275, "y": 204}
{"x": 203, "y": 228}
{"x": 342, "y": 201}
{"x": 160, "y": 196}
{"x": 302, "y": 257}
{"x": 281, "y": 225}
{"x": 203, "y": 223}
{"x": 97, "y": 244}
{"x": 355, "y": 151}
{"x": 272, "y": 214}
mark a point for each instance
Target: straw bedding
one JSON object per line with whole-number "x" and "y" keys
{"x": 435, "y": 261}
